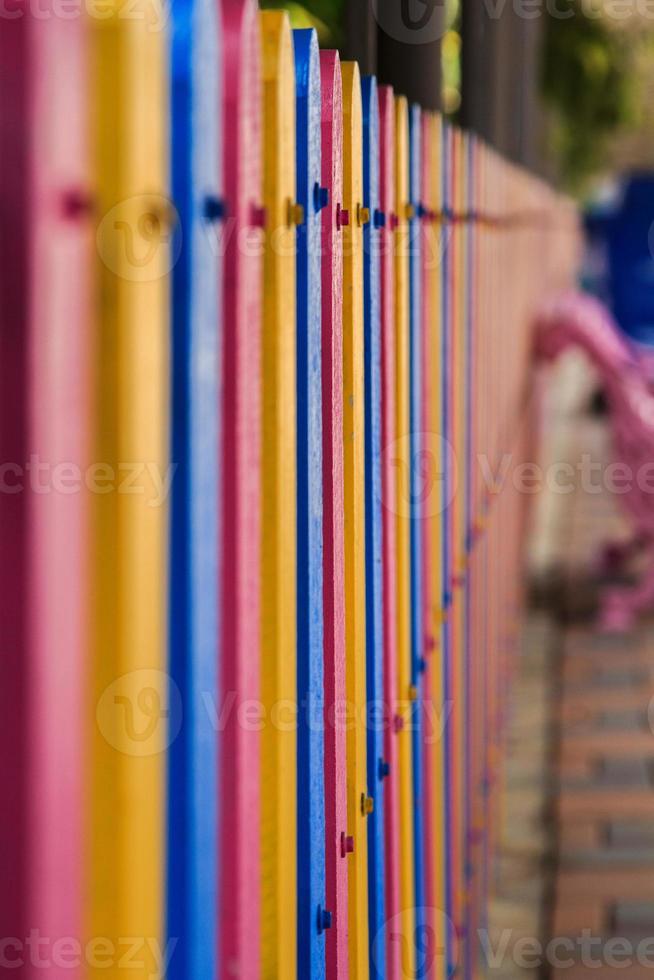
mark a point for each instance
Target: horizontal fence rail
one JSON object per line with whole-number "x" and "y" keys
{"x": 265, "y": 353}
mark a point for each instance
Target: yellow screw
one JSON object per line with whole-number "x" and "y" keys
{"x": 363, "y": 215}
{"x": 367, "y": 805}
{"x": 295, "y": 214}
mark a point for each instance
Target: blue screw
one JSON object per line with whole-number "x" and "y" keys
{"x": 320, "y": 197}
{"x": 213, "y": 208}
{"x": 379, "y": 219}
{"x": 384, "y": 769}
{"x": 324, "y": 920}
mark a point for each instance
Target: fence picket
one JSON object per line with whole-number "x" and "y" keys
{"x": 374, "y": 561}
{"x": 135, "y": 707}
{"x": 406, "y": 693}
{"x": 240, "y": 492}
{"x": 46, "y": 345}
{"x": 313, "y": 917}
{"x": 196, "y": 106}
{"x": 336, "y": 820}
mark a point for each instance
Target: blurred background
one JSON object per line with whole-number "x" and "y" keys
{"x": 563, "y": 86}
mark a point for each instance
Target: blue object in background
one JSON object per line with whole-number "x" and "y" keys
{"x": 192, "y": 873}
{"x": 620, "y": 255}
{"x": 313, "y": 918}
{"x": 373, "y": 493}
{"x": 631, "y": 260}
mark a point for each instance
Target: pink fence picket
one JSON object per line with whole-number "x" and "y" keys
{"x": 241, "y": 490}
{"x": 338, "y": 838}
{"x": 44, "y": 425}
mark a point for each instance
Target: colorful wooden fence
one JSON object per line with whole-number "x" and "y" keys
{"x": 257, "y": 658}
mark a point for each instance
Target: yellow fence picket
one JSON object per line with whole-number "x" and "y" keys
{"x": 358, "y": 800}
{"x": 134, "y": 716}
{"x": 402, "y": 462}
{"x": 278, "y": 541}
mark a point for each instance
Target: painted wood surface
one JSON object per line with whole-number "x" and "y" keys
{"x": 134, "y": 715}
{"x": 196, "y": 106}
{"x": 471, "y": 665}
{"x": 459, "y": 565}
{"x": 59, "y": 386}
{"x": 375, "y": 762}
{"x": 45, "y": 379}
{"x": 240, "y": 495}
{"x": 359, "y": 800}
{"x": 387, "y": 200}
{"x": 337, "y": 835}
{"x": 402, "y": 463}
{"x": 449, "y": 485}
{"x": 15, "y": 111}
{"x": 435, "y": 456}
{"x": 279, "y": 517}
{"x": 419, "y": 502}
{"x": 313, "y": 914}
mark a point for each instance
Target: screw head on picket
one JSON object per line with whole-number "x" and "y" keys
{"x": 347, "y": 844}
{"x": 76, "y": 202}
{"x": 384, "y": 769}
{"x": 213, "y": 208}
{"x": 363, "y": 215}
{"x": 379, "y": 219}
{"x": 295, "y": 214}
{"x": 320, "y": 197}
{"x": 257, "y": 216}
{"x": 342, "y": 217}
{"x": 367, "y": 805}
{"x": 324, "y": 919}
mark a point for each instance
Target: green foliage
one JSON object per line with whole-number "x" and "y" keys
{"x": 587, "y": 83}
{"x": 327, "y": 16}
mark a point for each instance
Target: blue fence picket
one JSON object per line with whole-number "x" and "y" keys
{"x": 417, "y": 479}
{"x": 373, "y": 482}
{"x": 310, "y": 762}
{"x": 193, "y": 759}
